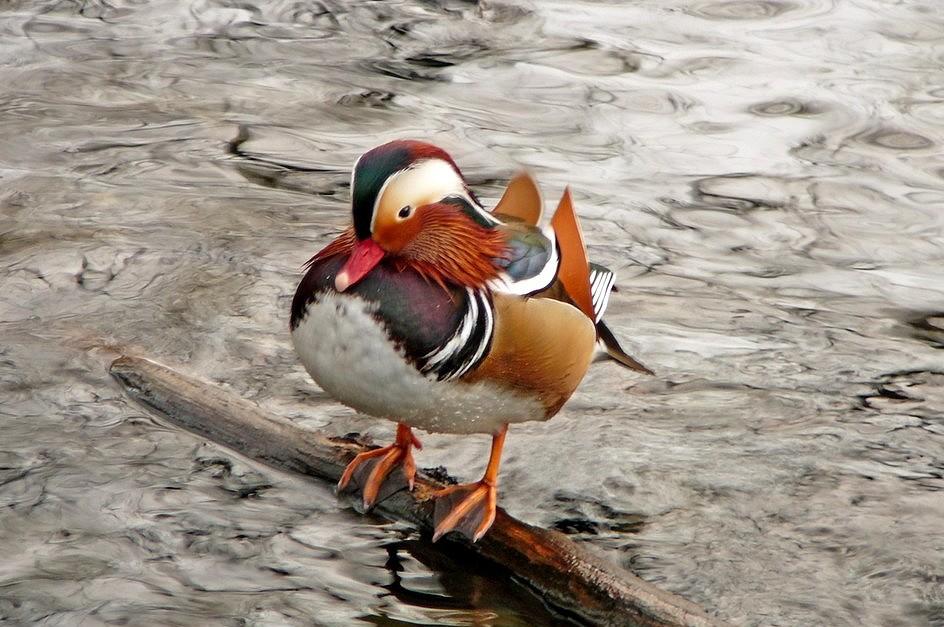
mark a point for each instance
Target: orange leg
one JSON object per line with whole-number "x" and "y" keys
{"x": 469, "y": 508}
{"x": 370, "y": 470}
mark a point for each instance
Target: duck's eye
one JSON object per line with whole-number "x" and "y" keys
{"x": 405, "y": 212}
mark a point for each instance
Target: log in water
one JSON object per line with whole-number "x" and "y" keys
{"x": 567, "y": 576}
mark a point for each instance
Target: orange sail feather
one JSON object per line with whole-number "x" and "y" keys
{"x": 574, "y": 271}
{"x": 521, "y": 200}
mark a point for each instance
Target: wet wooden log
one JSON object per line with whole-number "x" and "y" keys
{"x": 566, "y": 575}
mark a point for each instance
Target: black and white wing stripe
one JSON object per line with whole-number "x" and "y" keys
{"x": 468, "y": 344}
{"x": 601, "y": 284}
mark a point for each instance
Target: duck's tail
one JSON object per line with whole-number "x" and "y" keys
{"x": 616, "y": 352}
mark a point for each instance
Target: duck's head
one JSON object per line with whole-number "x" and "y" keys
{"x": 409, "y": 200}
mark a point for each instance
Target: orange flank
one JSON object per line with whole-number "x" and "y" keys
{"x": 527, "y": 354}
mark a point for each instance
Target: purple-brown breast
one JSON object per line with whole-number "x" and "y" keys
{"x": 419, "y": 315}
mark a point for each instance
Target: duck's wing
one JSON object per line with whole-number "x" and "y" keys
{"x": 535, "y": 258}
{"x": 585, "y": 285}
{"x": 531, "y": 261}
{"x": 552, "y": 264}
{"x": 552, "y": 260}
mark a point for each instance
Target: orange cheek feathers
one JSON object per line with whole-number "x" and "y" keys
{"x": 394, "y": 235}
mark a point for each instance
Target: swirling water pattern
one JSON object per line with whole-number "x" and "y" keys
{"x": 765, "y": 176}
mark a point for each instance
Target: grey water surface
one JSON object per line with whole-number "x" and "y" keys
{"x": 765, "y": 177}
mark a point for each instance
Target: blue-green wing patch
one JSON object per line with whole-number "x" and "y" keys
{"x": 531, "y": 260}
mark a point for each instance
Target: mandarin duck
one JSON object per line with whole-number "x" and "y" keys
{"x": 437, "y": 314}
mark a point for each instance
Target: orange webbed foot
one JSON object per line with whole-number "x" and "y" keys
{"x": 373, "y": 471}
{"x": 468, "y": 508}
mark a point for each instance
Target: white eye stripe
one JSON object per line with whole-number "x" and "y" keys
{"x": 423, "y": 182}
{"x": 380, "y": 194}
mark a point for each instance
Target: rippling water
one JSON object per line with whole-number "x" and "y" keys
{"x": 766, "y": 178}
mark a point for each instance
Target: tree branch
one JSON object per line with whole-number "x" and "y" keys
{"x": 565, "y": 574}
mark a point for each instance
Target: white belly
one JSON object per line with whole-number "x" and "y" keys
{"x": 349, "y": 355}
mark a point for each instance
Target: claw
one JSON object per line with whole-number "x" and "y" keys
{"x": 468, "y": 509}
{"x": 372, "y": 471}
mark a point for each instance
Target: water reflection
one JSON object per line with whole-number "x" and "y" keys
{"x": 463, "y": 591}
